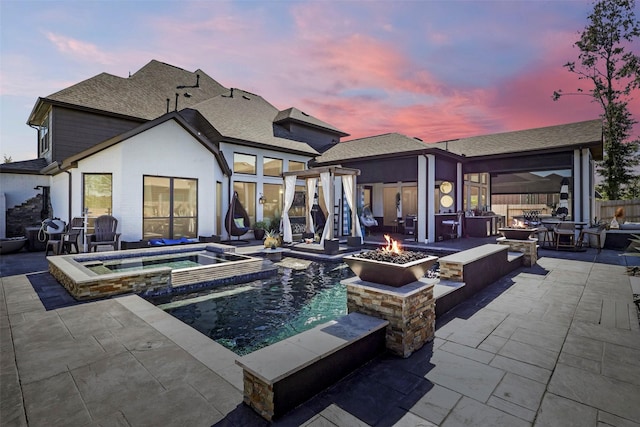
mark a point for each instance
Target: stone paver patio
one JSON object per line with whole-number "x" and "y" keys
{"x": 554, "y": 345}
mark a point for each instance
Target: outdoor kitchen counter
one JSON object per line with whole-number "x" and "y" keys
{"x": 483, "y": 226}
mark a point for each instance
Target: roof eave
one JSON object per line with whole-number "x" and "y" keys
{"x": 247, "y": 143}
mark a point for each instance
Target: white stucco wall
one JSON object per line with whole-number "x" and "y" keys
{"x": 166, "y": 150}
{"x": 18, "y": 188}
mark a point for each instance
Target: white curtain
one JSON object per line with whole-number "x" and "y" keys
{"x": 325, "y": 180}
{"x": 289, "y": 192}
{"x": 347, "y": 187}
{"x": 311, "y": 191}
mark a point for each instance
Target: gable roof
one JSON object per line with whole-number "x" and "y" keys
{"x": 292, "y": 114}
{"x": 242, "y": 117}
{"x": 373, "y": 146}
{"x": 586, "y": 134}
{"x": 143, "y": 95}
{"x": 70, "y": 162}
{"x": 550, "y": 138}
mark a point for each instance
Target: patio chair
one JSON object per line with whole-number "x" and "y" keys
{"x": 52, "y": 231}
{"x": 237, "y": 221}
{"x": 545, "y": 236}
{"x": 592, "y": 231}
{"x": 104, "y": 233}
{"x": 367, "y": 219}
{"x": 70, "y": 237}
{"x": 565, "y": 233}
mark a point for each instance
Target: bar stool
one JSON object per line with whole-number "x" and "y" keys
{"x": 547, "y": 236}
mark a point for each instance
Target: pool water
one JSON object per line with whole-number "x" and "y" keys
{"x": 249, "y": 316}
{"x": 173, "y": 261}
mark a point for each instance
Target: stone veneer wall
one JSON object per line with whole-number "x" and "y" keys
{"x": 24, "y": 215}
{"x": 410, "y": 311}
{"x": 528, "y": 247}
{"x": 107, "y": 286}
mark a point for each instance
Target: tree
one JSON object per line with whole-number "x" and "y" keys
{"x": 7, "y": 159}
{"x": 614, "y": 72}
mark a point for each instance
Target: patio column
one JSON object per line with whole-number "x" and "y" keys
{"x": 587, "y": 183}
{"x": 576, "y": 213}
{"x": 459, "y": 194}
{"x": 431, "y": 208}
{"x": 425, "y": 194}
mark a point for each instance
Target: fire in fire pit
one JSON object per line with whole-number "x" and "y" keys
{"x": 519, "y": 230}
{"x": 392, "y": 252}
{"x": 390, "y": 265}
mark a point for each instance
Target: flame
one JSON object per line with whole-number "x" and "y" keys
{"x": 518, "y": 224}
{"x": 392, "y": 245}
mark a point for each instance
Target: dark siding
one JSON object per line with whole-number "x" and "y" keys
{"x": 522, "y": 163}
{"x": 446, "y": 170}
{"x": 316, "y": 138}
{"x": 75, "y": 131}
{"x": 386, "y": 170}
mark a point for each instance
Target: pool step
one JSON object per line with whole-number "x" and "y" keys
{"x": 217, "y": 272}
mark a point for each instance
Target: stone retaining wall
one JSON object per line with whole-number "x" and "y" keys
{"x": 410, "y": 311}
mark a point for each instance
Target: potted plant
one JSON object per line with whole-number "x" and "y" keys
{"x": 272, "y": 239}
{"x": 259, "y": 229}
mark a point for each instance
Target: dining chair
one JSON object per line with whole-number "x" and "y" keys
{"x": 565, "y": 234}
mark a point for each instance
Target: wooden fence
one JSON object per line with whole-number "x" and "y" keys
{"x": 605, "y": 209}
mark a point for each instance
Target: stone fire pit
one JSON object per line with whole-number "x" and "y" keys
{"x": 517, "y": 233}
{"x": 390, "y": 268}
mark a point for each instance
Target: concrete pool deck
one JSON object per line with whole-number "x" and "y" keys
{"x": 556, "y": 344}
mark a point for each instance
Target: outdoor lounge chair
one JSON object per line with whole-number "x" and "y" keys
{"x": 237, "y": 221}
{"x": 104, "y": 233}
{"x": 367, "y": 219}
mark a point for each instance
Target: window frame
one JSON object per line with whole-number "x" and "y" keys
{"x": 255, "y": 163}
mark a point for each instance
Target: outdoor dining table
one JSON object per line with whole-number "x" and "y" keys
{"x": 551, "y": 223}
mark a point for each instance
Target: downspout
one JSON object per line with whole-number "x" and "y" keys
{"x": 69, "y": 198}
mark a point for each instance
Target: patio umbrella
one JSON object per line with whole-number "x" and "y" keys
{"x": 563, "y": 206}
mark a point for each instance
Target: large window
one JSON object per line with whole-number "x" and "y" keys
{"x": 43, "y": 134}
{"x": 170, "y": 207}
{"x": 247, "y": 196}
{"x": 244, "y": 163}
{"x": 295, "y": 166}
{"x": 96, "y": 192}
{"x": 272, "y": 207}
{"x": 271, "y": 167}
{"x": 475, "y": 191}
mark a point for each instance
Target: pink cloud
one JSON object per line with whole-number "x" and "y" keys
{"x": 78, "y": 49}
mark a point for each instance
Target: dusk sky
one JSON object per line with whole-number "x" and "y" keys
{"x": 435, "y": 70}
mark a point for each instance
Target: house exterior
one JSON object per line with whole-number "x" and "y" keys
{"x": 164, "y": 150}
{"x": 406, "y": 179}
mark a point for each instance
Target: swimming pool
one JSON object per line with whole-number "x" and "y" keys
{"x": 173, "y": 261}
{"x": 249, "y": 316}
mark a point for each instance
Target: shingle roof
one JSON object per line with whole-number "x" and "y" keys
{"x": 248, "y": 117}
{"x": 143, "y": 95}
{"x": 380, "y": 145}
{"x": 545, "y": 138}
{"x": 25, "y": 166}
{"x": 295, "y": 115}
{"x": 587, "y": 133}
